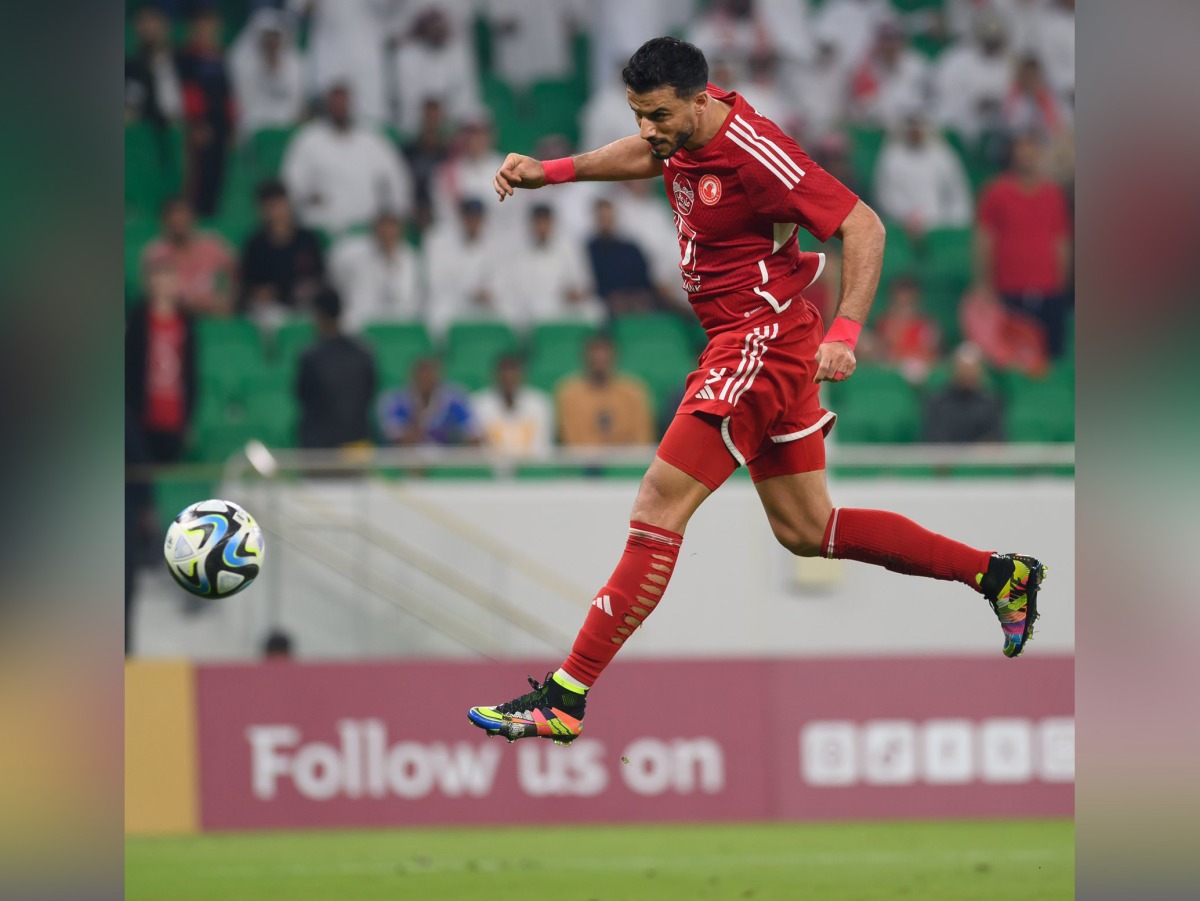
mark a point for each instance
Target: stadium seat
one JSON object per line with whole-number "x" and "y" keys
{"x": 865, "y": 147}
{"x": 1040, "y": 409}
{"x": 650, "y": 334}
{"x": 948, "y": 257}
{"x": 153, "y": 167}
{"x": 292, "y": 339}
{"x": 472, "y": 349}
{"x": 879, "y": 407}
{"x": 396, "y": 346}
{"x": 556, "y": 350}
{"x": 267, "y": 149}
{"x": 228, "y": 353}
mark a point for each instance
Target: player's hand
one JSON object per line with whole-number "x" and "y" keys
{"x": 835, "y": 362}
{"x": 518, "y": 172}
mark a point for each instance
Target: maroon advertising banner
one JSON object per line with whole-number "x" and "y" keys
{"x": 286, "y": 745}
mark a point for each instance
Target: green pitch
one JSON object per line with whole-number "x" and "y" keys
{"x": 917, "y": 861}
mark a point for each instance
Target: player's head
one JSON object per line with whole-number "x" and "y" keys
{"x": 665, "y": 84}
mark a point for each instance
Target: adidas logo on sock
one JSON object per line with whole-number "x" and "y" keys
{"x": 604, "y": 603}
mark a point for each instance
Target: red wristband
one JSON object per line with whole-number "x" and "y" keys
{"x": 844, "y": 330}
{"x": 559, "y": 171}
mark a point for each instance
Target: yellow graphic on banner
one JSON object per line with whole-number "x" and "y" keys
{"x": 161, "y": 778}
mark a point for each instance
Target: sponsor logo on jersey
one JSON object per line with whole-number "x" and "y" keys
{"x": 710, "y": 189}
{"x": 684, "y": 195}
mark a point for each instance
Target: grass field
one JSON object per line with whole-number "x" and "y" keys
{"x": 919, "y": 861}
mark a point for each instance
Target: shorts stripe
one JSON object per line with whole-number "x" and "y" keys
{"x": 756, "y": 349}
{"x": 734, "y": 398}
{"x": 741, "y": 367}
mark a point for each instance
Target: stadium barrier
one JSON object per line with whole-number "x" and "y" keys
{"x": 286, "y": 745}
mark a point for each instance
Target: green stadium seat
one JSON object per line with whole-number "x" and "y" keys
{"x": 228, "y": 353}
{"x": 397, "y": 345}
{"x": 267, "y": 149}
{"x": 555, "y": 350}
{"x": 879, "y": 407}
{"x": 153, "y": 167}
{"x": 663, "y": 373}
{"x": 865, "y": 147}
{"x": 1040, "y": 409}
{"x": 272, "y": 412}
{"x": 948, "y": 257}
{"x": 651, "y": 334}
{"x": 472, "y": 349}
{"x": 292, "y": 340}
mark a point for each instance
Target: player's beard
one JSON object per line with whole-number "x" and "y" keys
{"x": 680, "y": 139}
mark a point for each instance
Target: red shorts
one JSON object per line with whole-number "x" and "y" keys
{"x": 758, "y": 383}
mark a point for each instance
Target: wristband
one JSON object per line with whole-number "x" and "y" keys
{"x": 559, "y": 171}
{"x": 844, "y": 330}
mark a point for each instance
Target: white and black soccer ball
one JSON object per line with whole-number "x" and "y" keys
{"x": 214, "y": 548}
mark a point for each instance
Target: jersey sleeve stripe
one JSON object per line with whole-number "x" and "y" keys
{"x": 782, "y": 157}
{"x": 788, "y": 181}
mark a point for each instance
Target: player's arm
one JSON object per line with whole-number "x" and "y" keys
{"x": 623, "y": 160}
{"x": 862, "y": 235}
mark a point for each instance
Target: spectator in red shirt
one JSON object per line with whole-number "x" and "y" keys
{"x": 906, "y": 337}
{"x": 1023, "y": 242}
{"x": 160, "y": 364}
{"x": 203, "y": 263}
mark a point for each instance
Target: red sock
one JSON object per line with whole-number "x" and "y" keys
{"x": 890, "y": 540}
{"x": 633, "y": 590}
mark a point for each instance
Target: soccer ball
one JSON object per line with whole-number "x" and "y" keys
{"x": 214, "y": 548}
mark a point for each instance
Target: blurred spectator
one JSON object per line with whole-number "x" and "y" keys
{"x": 973, "y": 78}
{"x": 619, "y": 268}
{"x": 832, "y": 153}
{"x": 336, "y": 383}
{"x": 282, "y": 264}
{"x": 153, "y": 92}
{"x": 1031, "y": 105}
{"x": 1008, "y": 339}
{"x": 463, "y": 260}
{"x": 531, "y": 40}
{"x": 892, "y": 79}
{"x": 647, "y": 219}
{"x": 546, "y": 276}
{"x": 341, "y": 174}
{"x": 266, "y": 70}
{"x": 733, "y": 31}
{"x": 920, "y": 181}
{"x": 765, "y": 92}
{"x": 346, "y": 46}
{"x": 377, "y": 276}
{"x": 277, "y": 645}
{"x": 425, "y": 154}
{"x": 619, "y": 27}
{"x": 203, "y": 262}
{"x": 906, "y": 337}
{"x": 514, "y": 418}
{"x": 160, "y": 365}
{"x": 428, "y": 411}
{"x": 208, "y": 110}
{"x": 1055, "y": 45}
{"x": 823, "y": 90}
{"x": 965, "y": 410}
{"x": 606, "y": 116}
{"x": 428, "y": 67}
{"x": 600, "y": 405}
{"x": 852, "y": 25}
{"x": 1024, "y": 241}
{"x": 469, "y": 173}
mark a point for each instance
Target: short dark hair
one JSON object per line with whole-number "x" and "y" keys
{"x": 271, "y": 189}
{"x": 328, "y": 303}
{"x": 669, "y": 62}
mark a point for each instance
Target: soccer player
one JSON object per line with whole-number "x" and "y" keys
{"x": 740, "y": 188}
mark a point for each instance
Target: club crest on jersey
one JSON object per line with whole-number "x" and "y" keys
{"x": 710, "y": 189}
{"x": 684, "y": 195}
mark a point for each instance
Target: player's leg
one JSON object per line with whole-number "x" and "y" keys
{"x": 691, "y": 463}
{"x": 790, "y": 480}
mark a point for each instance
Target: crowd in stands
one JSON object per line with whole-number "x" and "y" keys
{"x": 329, "y": 162}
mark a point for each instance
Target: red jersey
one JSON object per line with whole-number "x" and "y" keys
{"x": 738, "y": 201}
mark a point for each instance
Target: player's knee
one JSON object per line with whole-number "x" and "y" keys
{"x": 802, "y": 538}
